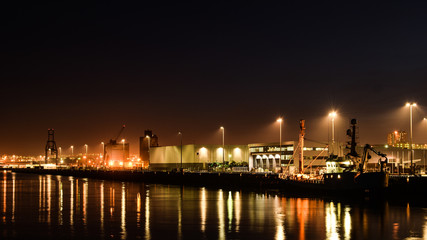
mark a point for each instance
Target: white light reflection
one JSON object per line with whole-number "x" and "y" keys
{"x": 230, "y": 210}
{"x": 203, "y": 209}
{"x": 347, "y": 222}
{"x": 237, "y": 210}
{"x": 279, "y": 220}
{"x": 123, "y": 215}
{"x": 331, "y": 222}
{"x": 147, "y": 215}
{"x": 221, "y": 221}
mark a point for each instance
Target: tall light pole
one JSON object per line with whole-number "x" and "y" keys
{"x": 332, "y": 115}
{"x": 280, "y": 120}
{"x": 148, "y": 148}
{"x": 60, "y": 153}
{"x": 410, "y": 105}
{"x": 424, "y": 155}
{"x": 180, "y": 169}
{"x": 123, "y": 141}
{"x": 86, "y": 149}
{"x": 72, "y": 150}
{"x": 103, "y": 154}
{"x": 223, "y": 147}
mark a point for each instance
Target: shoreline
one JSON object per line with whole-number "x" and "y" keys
{"x": 401, "y": 188}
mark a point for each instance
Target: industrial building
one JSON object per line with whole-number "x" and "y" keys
{"x": 254, "y": 157}
{"x": 146, "y": 142}
{"x": 268, "y": 157}
{"x": 117, "y": 154}
{"x": 399, "y": 158}
{"x": 196, "y": 157}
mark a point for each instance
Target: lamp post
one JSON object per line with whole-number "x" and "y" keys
{"x": 123, "y": 141}
{"x": 424, "y": 155}
{"x": 72, "y": 150}
{"x": 60, "y": 152}
{"x": 86, "y": 149}
{"x": 103, "y": 154}
{"x": 180, "y": 169}
{"x": 332, "y": 115}
{"x": 410, "y": 105}
{"x": 148, "y": 148}
{"x": 223, "y": 147}
{"x": 280, "y": 120}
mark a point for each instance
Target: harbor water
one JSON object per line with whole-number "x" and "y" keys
{"x": 36, "y": 206}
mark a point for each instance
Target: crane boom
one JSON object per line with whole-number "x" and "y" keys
{"x": 366, "y": 156}
{"x": 120, "y": 132}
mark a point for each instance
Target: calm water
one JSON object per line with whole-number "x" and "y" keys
{"x": 36, "y": 206}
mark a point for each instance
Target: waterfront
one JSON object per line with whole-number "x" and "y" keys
{"x": 55, "y": 206}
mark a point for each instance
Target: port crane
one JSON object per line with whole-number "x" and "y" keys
{"x": 360, "y": 162}
{"x": 114, "y": 140}
{"x": 366, "y": 156}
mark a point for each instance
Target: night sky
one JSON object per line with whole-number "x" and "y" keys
{"x": 85, "y": 70}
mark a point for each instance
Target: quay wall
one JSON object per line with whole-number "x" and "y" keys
{"x": 215, "y": 179}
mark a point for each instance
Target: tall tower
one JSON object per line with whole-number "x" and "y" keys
{"x": 145, "y": 143}
{"x": 50, "y": 148}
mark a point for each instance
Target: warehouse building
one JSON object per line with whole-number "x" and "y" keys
{"x": 259, "y": 157}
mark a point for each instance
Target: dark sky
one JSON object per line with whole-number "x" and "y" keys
{"x": 86, "y": 69}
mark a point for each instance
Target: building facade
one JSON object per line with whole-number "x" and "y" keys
{"x": 117, "y": 154}
{"x": 195, "y": 157}
{"x": 259, "y": 157}
{"x": 285, "y": 157}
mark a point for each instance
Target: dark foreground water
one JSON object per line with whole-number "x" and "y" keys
{"x": 55, "y": 207}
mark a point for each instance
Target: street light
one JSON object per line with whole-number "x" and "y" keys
{"x": 223, "y": 147}
{"x": 410, "y": 105}
{"x": 332, "y": 115}
{"x": 280, "y": 120}
{"x": 180, "y": 169}
{"x": 103, "y": 154}
{"x": 148, "y": 148}
{"x": 86, "y": 148}
{"x": 72, "y": 150}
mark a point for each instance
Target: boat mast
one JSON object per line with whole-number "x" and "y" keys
{"x": 301, "y": 143}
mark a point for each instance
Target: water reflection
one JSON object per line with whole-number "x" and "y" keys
{"x": 101, "y": 210}
{"x": 147, "y": 215}
{"x": 4, "y": 195}
{"x": 203, "y": 209}
{"x": 221, "y": 221}
{"x": 86, "y": 208}
{"x": 61, "y": 200}
{"x": 123, "y": 213}
{"x": 71, "y": 202}
{"x": 180, "y": 200}
{"x": 279, "y": 219}
{"x": 237, "y": 209}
